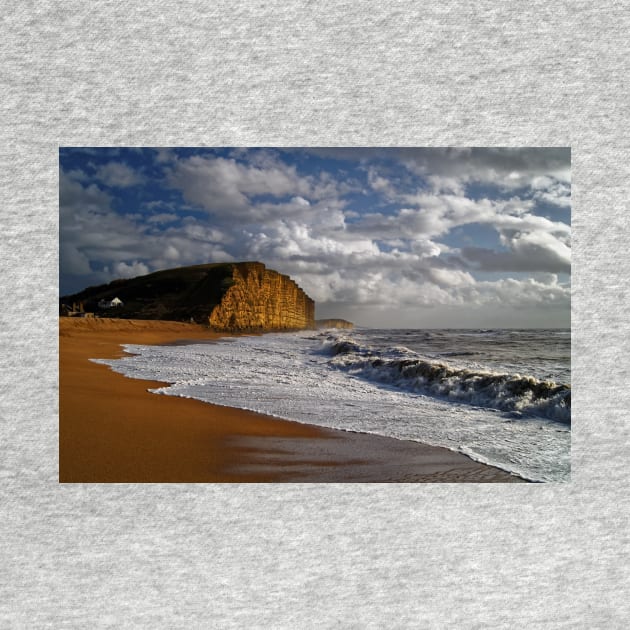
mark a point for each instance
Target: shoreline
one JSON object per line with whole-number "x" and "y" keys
{"x": 112, "y": 429}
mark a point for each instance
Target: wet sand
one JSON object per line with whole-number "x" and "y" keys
{"x": 111, "y": 429}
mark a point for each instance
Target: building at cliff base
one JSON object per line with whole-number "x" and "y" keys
{"x": 226, "y": 296}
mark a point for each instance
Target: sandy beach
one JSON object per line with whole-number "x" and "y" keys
{"x": 112, "y": 429}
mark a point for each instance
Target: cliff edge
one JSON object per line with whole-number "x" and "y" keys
{"x": 226, "y": 296}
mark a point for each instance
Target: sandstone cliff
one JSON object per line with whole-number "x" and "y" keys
{"x": 226, "y": 296}
{"x": 333, "y": 323}
{"x": 262, "y": 299}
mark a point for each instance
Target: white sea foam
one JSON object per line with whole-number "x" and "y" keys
{"x": 400, "y": 367}
{"x": 292, "y": 376}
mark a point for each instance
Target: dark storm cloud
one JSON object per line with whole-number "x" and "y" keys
{"x": 533, "y": 258}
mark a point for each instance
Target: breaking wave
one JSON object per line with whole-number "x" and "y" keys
{"x": 521, "y": 395}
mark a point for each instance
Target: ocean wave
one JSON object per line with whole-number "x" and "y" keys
{"x": 520, "y": 394}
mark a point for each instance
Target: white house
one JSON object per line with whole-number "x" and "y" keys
{"x": 110, "y": 303}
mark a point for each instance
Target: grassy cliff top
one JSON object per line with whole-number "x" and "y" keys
{"x": 179, "y": 293}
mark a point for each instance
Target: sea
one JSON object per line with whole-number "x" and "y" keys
{"x": 501, "y": 397}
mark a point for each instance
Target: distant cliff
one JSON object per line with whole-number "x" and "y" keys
{"x": 333, "y": 323}
{"x": 228, "y": 297}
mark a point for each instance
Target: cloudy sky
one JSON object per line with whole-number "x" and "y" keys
{"x": 400, "y": 237}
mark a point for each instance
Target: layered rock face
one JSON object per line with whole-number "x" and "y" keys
{"x": 262, "y": 299}
{"x": 226, "y": 296}
{"x": 333, "y": 323}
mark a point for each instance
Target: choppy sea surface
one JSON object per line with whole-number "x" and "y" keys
{"x": 502, "y": 397}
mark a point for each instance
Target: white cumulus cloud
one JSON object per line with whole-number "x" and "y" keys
{"x": 118, "y": 175}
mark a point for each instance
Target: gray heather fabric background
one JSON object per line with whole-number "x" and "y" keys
{"x": 313, "y": 556}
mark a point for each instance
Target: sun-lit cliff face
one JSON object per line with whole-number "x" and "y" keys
{"x": 262, "y": 299}
{"x": 225, "y": 296}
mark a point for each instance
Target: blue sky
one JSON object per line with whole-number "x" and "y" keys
{"x": 409, "y": 237}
